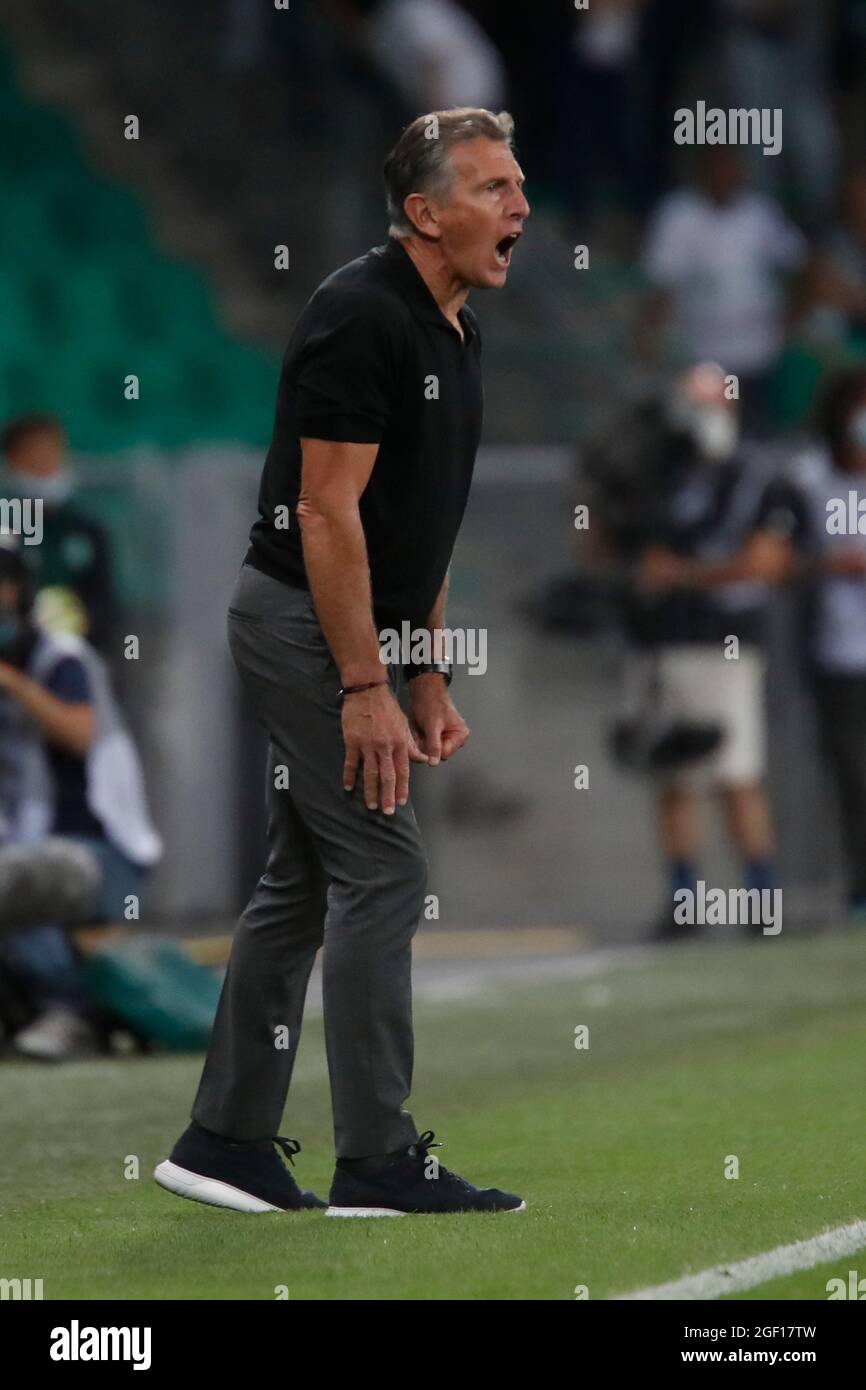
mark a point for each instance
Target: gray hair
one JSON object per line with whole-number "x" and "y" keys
{"x": 419, "y": 161}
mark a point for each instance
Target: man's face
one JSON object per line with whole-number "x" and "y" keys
{"x": 721, "y": 174}
{"x": 40, "y": 454}
{"x": 701, "y": 407}
{"x": 484, "y": 213}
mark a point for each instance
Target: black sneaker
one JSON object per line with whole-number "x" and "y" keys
{"x": 242, "y": 1174}
{"x": 409, "y": 1181}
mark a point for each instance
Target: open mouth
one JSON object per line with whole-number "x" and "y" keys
{"x": 505, "y": 246}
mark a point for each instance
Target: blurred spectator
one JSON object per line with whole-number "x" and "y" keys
{"x": 775, "y": 54}
{"x": 705, "y": 531}
{"x": 835, "y": 291}
{"x": 68, "y": 769}
{"x": 533, "y": 43}
{"x": 599, "y": 126}
{"x": 573, "y": 79}
{"x": 835, "y": 480}
{"x": 848, "y": 53}
{"x": 74, "y": 557}
{"x": 673, "y": 41}
{"x": 247, "y": 30}
{"x": 432, "y": 52}
{"x": 714, "y": 256}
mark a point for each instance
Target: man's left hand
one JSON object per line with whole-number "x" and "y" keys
{"x": 439, "y": 730}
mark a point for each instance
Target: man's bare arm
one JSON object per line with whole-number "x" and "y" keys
{"x": 436, "y": 621}
{"x": 766, "y": 557}
{"x": 375, "y": 730}
{"x": 333, "y": 478}
{"x": 438, "y": 727}
{"x": 67, "y": 725}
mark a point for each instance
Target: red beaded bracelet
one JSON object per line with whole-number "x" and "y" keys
{"x": 356, "y": 689}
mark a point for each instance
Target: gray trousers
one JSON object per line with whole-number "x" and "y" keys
{"x": 338, "y": 876}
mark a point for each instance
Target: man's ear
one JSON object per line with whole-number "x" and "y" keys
{"x": 422, "y": 216}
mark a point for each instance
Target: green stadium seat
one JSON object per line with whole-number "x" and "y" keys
{"x": 28, "y": 383}
{"x": 24, "y": 234}
{"x": 87, "y": 297}
{"x": 795, "y": 382}
{"x": 34, "y": 140}
{"x": 89, "y": 217}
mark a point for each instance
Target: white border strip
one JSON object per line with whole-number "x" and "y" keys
{"x": 773, "y": 1264}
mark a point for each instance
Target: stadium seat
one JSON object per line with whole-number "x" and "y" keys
{"x": 88, "y": 297}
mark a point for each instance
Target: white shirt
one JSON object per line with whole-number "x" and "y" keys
{"x": 721, "y": 267}
{"x": 839, "y": 641}
{"x": 407, "y": 37}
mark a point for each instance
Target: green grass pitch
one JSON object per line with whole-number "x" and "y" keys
{"x": 620, "y": 1149}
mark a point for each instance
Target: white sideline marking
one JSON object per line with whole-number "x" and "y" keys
{"x": 485, "y": 981}
{"x": 747, "y": 1274}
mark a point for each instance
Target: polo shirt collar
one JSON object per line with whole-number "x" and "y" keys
{"x": 414, "y": 288}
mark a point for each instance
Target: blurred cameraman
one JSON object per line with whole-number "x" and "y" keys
{"x": 74, "y": 562}
{"x": 698, "y": 531}
{"x": 69, "y": 776}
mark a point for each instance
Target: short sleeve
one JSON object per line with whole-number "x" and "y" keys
{"x": 668, "y": 247}
{"x": 784, "y": 510}
{"x": 347, "y": 375}
{"x": 69, "y": 681}
{"x": 786, "y": 245}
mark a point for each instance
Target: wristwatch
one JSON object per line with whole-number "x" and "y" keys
{"x": 425, "y": 668}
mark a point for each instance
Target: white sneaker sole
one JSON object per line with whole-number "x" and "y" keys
{"x": 388, "y": 1211}
{"x": 208, "y": 1190}
{"x": 364, "y": 1211}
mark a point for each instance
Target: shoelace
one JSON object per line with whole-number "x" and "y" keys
{"x": 290, "y": 1147}
{"x": 427, "y": 1141}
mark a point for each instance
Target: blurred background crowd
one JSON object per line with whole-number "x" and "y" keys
{"x": 174, "y": 189}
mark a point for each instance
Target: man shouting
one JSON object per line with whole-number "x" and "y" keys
{"x": 378, "y": 420}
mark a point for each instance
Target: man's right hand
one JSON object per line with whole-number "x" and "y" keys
{"x": 378, "y": 738}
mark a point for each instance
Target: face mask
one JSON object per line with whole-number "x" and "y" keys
{"x": 713, "y": 429}
{"x": 53, "y": 489}
{"x": 715, "y": 432}
{"x": 857, "y": 429}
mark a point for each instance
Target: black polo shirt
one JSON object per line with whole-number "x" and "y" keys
{"x": 373, "y": 360}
